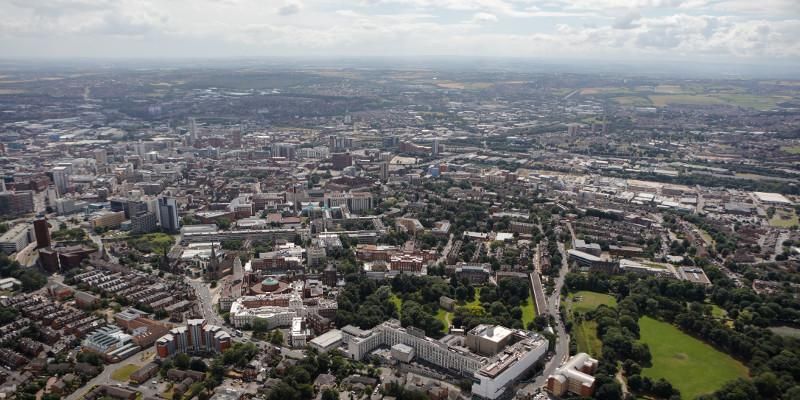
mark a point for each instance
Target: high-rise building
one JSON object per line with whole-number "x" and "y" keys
{"x": 236, "y": 137}
{"x": 195, "y": 337}
{"x": 61, "y": 179}
{"x": 341, "y": 160}
{"x": 100, "y": 156}
{"x": 168, "y": 209}
{"x": 41, "y": 230}
{"x": 435, "y": 148}
{"x": 192, "y": 131}
{"x": 145, "y": 222}
{"x": 16, "y": 203}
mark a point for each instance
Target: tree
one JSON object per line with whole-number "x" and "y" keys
{"x": 198, "y": 365}
{"x": 330, "y": 394}
{"x": 182, "y": 361}
{"x": 276, "y": 337}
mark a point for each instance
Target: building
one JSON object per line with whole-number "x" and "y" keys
{"x": 575, "y": 376}
{"x": 326, "y": 342}
{"x": 61, "y": 179}
{"x": 195, "y": 337}
{"x": 111, "y": 343}
{"x": 108, "y": 219}
{"x": 16, "y": 203}
{"x": 168, "y": 210}
{"x": 355, "y": 201}
{"x": 299, "y": 333}
{"x": 41, "y": 230}
{"x": 694, "y": 274}
{"x": 341, "y": 160}
{"x": 592, "y": 262}
{"x": 473, "y": 272}
{"x": 144, "y": 223}
{"x": 15, "y": 239}
{"x": 491, "y": 375}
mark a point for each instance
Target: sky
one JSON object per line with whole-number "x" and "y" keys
{"x": 727, "y": 31}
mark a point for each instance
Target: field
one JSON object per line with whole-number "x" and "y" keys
{"x": 718, "y": 312}
{"x": 445, "y": 317}
{"x": 693, "y": 367}
{"x": 528, "y": 311}
{"x": 124, "y": 372}
{"x": 636, "y": 101}
{"x": 786, "y": 331}
{"x": 663, "y": 100}
{"x": 584, "y": 301}
{"x": 585, "y": 332}
{"x": 586, "y": 338}
{"x": 791, "y": 149}
{"x": 783, "y": 219}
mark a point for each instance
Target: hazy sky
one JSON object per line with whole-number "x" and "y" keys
{"x": 755, "y": 31}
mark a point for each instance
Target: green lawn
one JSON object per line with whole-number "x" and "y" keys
{"x": 124, "y": 372}
{"x": 398, "y": 302}
{"x": 584, "y": 301}
{"x": 718, "y": 312}
{"x": 445, "y": 317}
{"x": 693, "y": 367}
{"x": 528, "y": 311}
{"x": 791, "y": 149}
{"x": 782, "y": 219}
{"x": 586, "y": 338}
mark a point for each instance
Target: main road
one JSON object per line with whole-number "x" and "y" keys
{"x": 553, "y": 308}
{"x": 205, "y": 299}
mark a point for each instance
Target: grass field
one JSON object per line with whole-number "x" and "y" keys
{"x": 586, "y": 338}
{"x": 398, "y": 302}
{"x": 784, "y": 220}
{"x": 718, "y": 312}
{"x": 663, "y": 100}
{"x": 528, "y": 311}
{"x": 786, "y": 331}
{"x": 584, "y": 301}
{"x": 791, "y": 149}
{"x": 636, "y": 101}
{"x": 124, "y": 372}
{"x": 445, "y": 317}
{"x": 693, "y": 367}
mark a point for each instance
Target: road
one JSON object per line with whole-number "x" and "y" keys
{"x": 105, "y": 377}
{"x": 553, "y": 307}
{"x": 205, "y": 299}
{"x": 99, "y": 242}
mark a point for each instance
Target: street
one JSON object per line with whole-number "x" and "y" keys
{"x": 553, "y": 307}
{"x": 205, "y": 299}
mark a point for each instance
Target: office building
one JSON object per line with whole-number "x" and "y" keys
{"x": 168, "y": 209}
{"x": 109, "y": 219}
{"x": 41, "y": 230}
{"x": 285, "y": 150}
{"x": 15, "y": 239}
{"x": 195, "y": 337}
{"x": 61, "y": 179}
{"x": 575, "y": 377}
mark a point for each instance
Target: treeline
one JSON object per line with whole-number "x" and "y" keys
{"x": 772, "y": 359}
{"x": 30, "y": 278}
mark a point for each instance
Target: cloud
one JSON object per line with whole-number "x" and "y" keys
{"x": 627, "y": 21}
{"x": 289, "y": 9}
{"x": 483, "y": 17}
